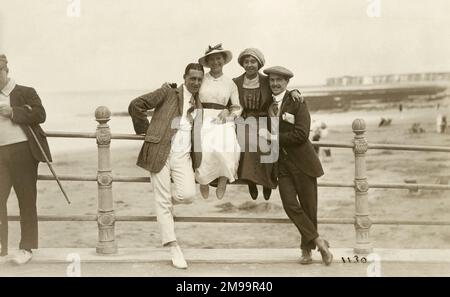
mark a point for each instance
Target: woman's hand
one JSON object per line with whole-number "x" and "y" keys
{"x": 168, "y": 85}
{"x": 222, "y": 117}
{"x": 297, "y": 96}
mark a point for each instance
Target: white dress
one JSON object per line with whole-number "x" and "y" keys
{"x": 219, "y": 144}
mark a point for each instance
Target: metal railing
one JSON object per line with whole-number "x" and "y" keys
{"x": 106, "y": 217}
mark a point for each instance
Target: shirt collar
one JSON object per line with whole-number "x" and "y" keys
{"x": 9, "y": 87}
{"x": 278, "y": 98}
{"x": 186, "y": 94}
{"x": 251, "y": 83}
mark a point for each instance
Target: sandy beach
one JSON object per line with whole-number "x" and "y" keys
{"x": 382, "y": 166}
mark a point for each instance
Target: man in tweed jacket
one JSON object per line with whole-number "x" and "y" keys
{"x": 170, "y": 149}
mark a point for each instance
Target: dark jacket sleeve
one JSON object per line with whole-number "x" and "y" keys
{"x": 32, "y": 113}
{"x": 138, "y": 108}
{"x": 300, "y": 133}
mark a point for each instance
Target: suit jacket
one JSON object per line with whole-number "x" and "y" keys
{"x": 293, "y": 138}
{"x": 168, "y": 105}
{"x": 28, "y": 111}
{"x": 266, "y": 93}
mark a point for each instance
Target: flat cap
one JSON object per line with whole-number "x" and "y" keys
{"x": 280, "y": 71}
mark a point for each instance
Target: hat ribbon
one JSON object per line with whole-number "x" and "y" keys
{"x": 211, "y": 48}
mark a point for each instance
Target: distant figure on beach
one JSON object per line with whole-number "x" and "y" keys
{"x": 318, "y": 131}
{"x": 416, "y": 129}
{"x": 169, "y": 150}
{"x": 20, "y": 110}
{"x": 384, "y": 122}
{"x": 441, "y": 123}
{"x": 255, "y": 97}
{"x": 400, "y": 109}
{"x": 298, "y": 165}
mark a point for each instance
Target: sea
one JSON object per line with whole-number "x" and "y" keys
{"x": 74, "y": 111}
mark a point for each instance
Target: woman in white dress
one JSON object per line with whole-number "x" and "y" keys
{"x": 220, "y": 100}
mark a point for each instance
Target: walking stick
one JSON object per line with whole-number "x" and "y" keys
{"x": 48, "y": 164}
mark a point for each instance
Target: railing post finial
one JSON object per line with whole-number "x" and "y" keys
{"x": 362, "y": 220}
{"x": 106, "y": 217}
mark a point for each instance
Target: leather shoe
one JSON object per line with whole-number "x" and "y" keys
{"x": 306, "y": 257}
{"x": 267, "y": 192}
{"x": 253, "y": 190}
{"x": 327, "y": 256}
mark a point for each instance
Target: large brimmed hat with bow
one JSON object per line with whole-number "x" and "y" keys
{"x": 217, "y": 49}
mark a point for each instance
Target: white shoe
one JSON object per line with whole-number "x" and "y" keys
{"x": 178, "y": 260}
{"x": 4, "y": 259}
{"x": 22, "y": 257}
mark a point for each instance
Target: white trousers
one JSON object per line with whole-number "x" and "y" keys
{"x": 178, "y": 167}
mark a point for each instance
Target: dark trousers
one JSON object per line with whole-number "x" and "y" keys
{"x": 18, "y": 169}
{"x": 298, "y": 193}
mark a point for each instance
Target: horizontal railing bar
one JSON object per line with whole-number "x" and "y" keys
{"x": 143, "y": 179}
{"x": 127, "y": 136}
{"x": 402, "y": 147}
{"x": 319, "y": 143}
{"x": 333, "y": 144}
{"x": 410, "y": 186}
{"x": 58, "y": 134}
{"x": 68, "y": 177}
{"x": 330, "y": 221}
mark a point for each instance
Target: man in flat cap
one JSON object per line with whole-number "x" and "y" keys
{"x": 298, "y": 165}
{"x": 20, "y": 110}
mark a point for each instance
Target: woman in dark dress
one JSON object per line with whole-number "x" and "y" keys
{"x": 255, "y": 97}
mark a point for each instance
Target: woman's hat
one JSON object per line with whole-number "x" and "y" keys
{"x": 255, "y": 53}
{"x": 215, "y": 50}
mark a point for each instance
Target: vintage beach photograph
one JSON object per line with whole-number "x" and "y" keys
{"x": 124, "y": 138}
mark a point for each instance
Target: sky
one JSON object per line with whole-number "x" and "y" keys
{"x": 139, "y": 44}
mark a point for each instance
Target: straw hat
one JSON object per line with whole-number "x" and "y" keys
{"x": 217, "y": 49}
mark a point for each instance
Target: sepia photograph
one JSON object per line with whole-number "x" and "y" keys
{"x": 217, "y": 139}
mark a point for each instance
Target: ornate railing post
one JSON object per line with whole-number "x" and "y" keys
{"x": 105, "y": 218}
{"x": 362, "y": 220}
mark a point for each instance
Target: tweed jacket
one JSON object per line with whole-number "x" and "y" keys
{"x": 168, "y": 105}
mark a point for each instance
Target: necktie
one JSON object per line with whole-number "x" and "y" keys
{"x": 275, "y": 108}
{"x": 190, "y": 109}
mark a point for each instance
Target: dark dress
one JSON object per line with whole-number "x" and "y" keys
{"x": 255, "y": 103}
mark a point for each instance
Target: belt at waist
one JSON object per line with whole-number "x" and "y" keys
{"x": 208, "y": 105}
